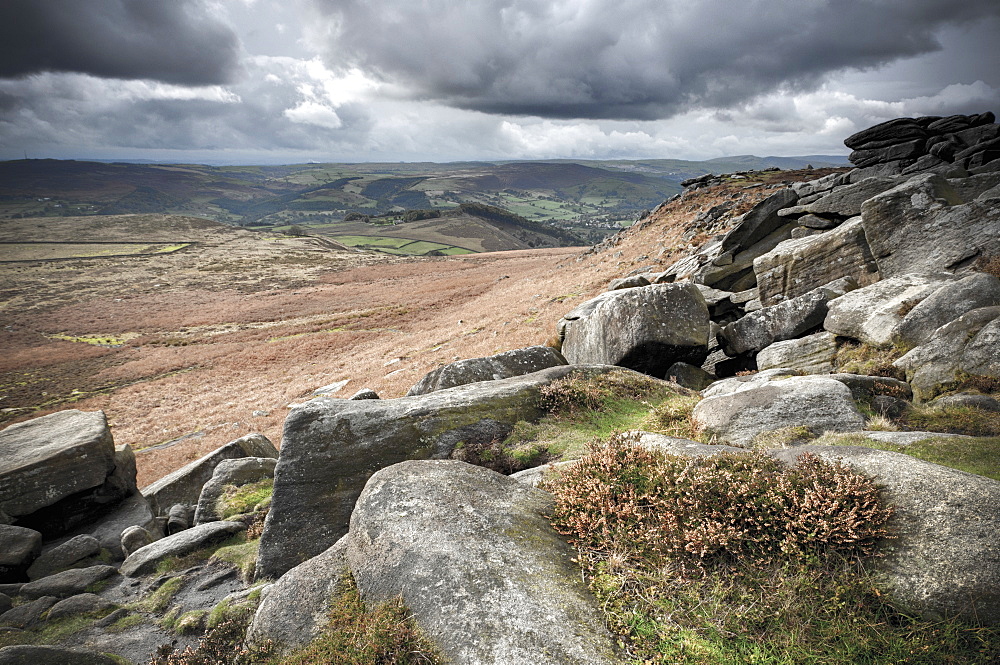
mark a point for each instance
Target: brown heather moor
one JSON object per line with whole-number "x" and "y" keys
{"x": 217, "y": 340}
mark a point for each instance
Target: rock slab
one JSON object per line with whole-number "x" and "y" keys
{"x": 500, "y": 366}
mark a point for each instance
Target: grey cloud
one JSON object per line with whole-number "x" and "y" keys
{"x": 175, "y": 41}
{"x": 626, "y": 59}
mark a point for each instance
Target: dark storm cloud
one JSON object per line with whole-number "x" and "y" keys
{"x": 627, "y": 59}
{"x": 174, "y": 42}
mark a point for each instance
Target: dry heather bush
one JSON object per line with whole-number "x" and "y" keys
{"x": 989, "y": 265}
{"x": 571, "y": 394}
{"x": 861, "y": 358}
{"x": 746, "y": 508}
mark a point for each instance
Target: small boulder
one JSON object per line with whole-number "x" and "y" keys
{"x": 786, "y": 320}
{"x": 814, "y": 354}
{"x": 689, "y": 376}
{"x": 970, "y": 400}
{"x": 646, "y": 329}
{"x": 45, "y": 655}
{"x": 233, "y": 473}
{"x": 68, "y": 582}
{"x": 184, "y": 485}
{"x": 27, "y": 615}
{"x": 672, "y": 445}
{"x": 144, "y": 560}
{"x": 814, "y": 402}
{"x": 501, "y": 366}
{"x": 133, "y": 538}
{"x": 364, "y": 393}
{"x": 63, "y": 556}
{"x": 79, "y": 604}
{"x": 18, "y": 548}
{"x": 497, "y": 586}
{"x": 179, "y": 518}
{"x": 944, "y": 560}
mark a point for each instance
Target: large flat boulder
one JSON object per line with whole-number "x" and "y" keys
{"x": 500, "y": 366}
{"x": 478, "y": 565}
{"x": 875, "y": 313}
{"x": 331, "y": 447}
{"x": 814, "y": 402}
{"x": 296, "y": 608}
{"x": 798, "y": 266}
{"x": 67, "y": 583}
{"x": 946, "y": 304}
{"x": 814, "y": 354}
{"x": 944, "y": 560}
{"x": 846, "y": 200}
{"x": 647, "y": 329}
{"x": 924, "y": 225}
{"x": 58, "y": 470}
{"x": 184, "y": 485}
{"x": 64, "y": 555}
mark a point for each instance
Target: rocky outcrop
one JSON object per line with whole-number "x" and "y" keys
{"x": 816, "y": 403}
{"x": 478, "y": 565}
{"x": 646, "y": 329}
{"x": 965, "y": 140}
{"x": 61, "y": 470}
{"x": 331, "y": 447}
{"x": 501, "y": 366}
{"x": 946, "y": 304}
{"x": 183, "y": 486}
{"x": 943, "y": 560}
{"x": 923, "y": 225}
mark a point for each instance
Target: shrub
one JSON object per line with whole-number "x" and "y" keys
{"x": 638, "y": 504}
{"x": 672, "y": 416}
{"x": 498, "y": 456}
{"x": 953, "y": 420}
{"x": 590, "y": 393}
{"x": 989, "y": 264}
{"x": 870, "y": 360}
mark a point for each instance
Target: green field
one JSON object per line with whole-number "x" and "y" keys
{"x": 400, "y": 246}
{"x": 52, "y": 251}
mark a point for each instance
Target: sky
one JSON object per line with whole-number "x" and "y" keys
{"x": 293, "y": 81}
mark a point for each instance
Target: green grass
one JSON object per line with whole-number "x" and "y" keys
{"x": 158, "y": 601}
{"x": 242, "y": 555}
{"x": 980, "y": 455}
{"x": 244, "y": 498}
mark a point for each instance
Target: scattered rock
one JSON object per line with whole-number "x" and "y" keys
{"x": 179, "y": 518}
{"x": 364, "y": 393}
{"x": 27, "y": 615}
{"x": 18, "y": 548}
{"x": 184, "y": 485}
{"x": 689, "y": 376}
{"x": 786, "y": 320}
{"x": 501, "y": 366}
{"x": 133, "y": 538}
{"x": 144, "y": 560}
{"x": 498, "y": 585}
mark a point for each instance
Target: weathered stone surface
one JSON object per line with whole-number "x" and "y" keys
{"x": 628, "y": 282}
{"x": 184, "y": 485}
{"x": 364, "y": 393}
{"x": 672, "y": 445}
{"x": 873, "y": 314}
{"x": 923, "y": 225}
{"x": 179, "y": 518}
{"x": 982, "y": 354}
{"x": 761, "y": 221}
{"x": 891, "y": 131}
{"x": 737, "y": 275}
{"x": 27, "y": 615}
{"x": 296, "y": 608}
{"x": 501, "y": 366}
{"x": 144, "y": 560}
{"x": 944, "y": 560}
{"x": 690, "y": 376}
{"x": 5, "y": 603}
{"x": 331, "y": 447}
{"x": 495, "y": 586}
{"x": 533, "y": 477}
{"x": 18, "y": 548}
{"x": 984, "y": 402}
{"x": 814, "y": 354}
{"x": 79, "y": 604}
{"x": 934, "y": 365}
{"x": 646, "y": 329}
{"x": 236, "y": 472}
{"x": 134, "y": 510}
{"x": 890, "y": 407}
{"x": 974, "y": 186}
{"x": 810, "y": 221}
{"x": 889, "y": 153}
{"x": 786, "y": 320}
{"x": 800, "y": 265}
{"x": 63, "y": 556}
{"x": 49, "y": 655}
{"x": 817, "y": 403}
{"x": 846, "y": 200}
{"x": 736, "y": 384}
{"x": 946, "y": 304}
{"x": 67, "y": 583}
{"x": 47, "y": 460}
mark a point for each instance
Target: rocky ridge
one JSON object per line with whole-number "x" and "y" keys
{"x": 893, "y": 254}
